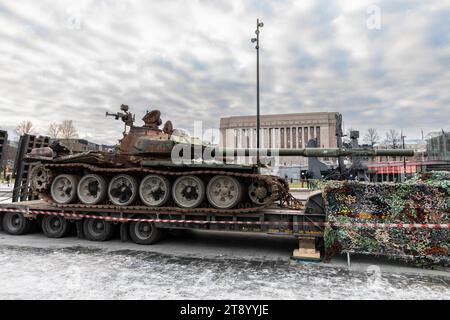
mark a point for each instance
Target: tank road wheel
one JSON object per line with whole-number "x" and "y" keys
{"x": 98, "y": 230}
{"x": 145, "y": 232}
{"x": 64, "y": 188}
{"x": 16, "y": 224}
{"x": 259, "y": 192}
{"x": 55, "y": 226}
{"x": 188, "y": 191}
{"x": 224, "y": 192}
{"x": 122, "y": 190}
{"x": 91, "y": 189}
{"x": 154, "y": 190}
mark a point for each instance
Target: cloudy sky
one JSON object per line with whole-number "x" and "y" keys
{"x": 193, "y": 59}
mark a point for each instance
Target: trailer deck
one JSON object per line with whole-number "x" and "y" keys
{"x": 273, "y": 219}
{"x": 305, "y": 224}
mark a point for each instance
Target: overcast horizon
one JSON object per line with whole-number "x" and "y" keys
{"x": 381, "y": 64}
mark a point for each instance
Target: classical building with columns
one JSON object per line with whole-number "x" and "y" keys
{"x": 280, "y": 131}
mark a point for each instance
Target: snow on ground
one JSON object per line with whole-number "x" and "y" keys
{"x": 5, "y": 187}
{"x": 199, "y": 265}
{"x": 68, "y": 271}
{"x": 5, "y": 193}
{"x": 5, "y": 199}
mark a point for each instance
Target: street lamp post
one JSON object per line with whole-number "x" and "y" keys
{"x": 258, "y": 123}
{"x": 404, "y": 158}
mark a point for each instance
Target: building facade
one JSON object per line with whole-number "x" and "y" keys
{"x": 79, "y": 145}
{"x": 284, "y": 131}
{"x": 430, "y": 156}
{"x": 438, "y": 146}
{"x": 3, "y": 144}
{"x": 288, "y": 131}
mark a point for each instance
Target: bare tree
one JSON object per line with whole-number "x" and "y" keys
{"x": 372, "y": 137}
{"x": 67, "y": 130}
{"x": 54, "y": 130}
{"x": 25, "y": 127}
{"x": 393, "y": 138}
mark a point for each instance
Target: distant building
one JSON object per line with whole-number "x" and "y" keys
{"x": 9, "y": 155}
{"x": 3, "y": 143}
{"x": 288, "y": 131}
{"x": 108, "y": 148}
{"x": 417, "y": 145}
{"x": 438, "y": 146}
{"x": 79, "y": 145}
{"x": 434, "y": 154}
{"x": 8, "y": 151}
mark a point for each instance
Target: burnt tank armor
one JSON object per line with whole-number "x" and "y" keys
{"x": 140, "y": 174}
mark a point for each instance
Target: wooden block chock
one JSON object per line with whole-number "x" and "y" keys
{"x": 307, "y": 249}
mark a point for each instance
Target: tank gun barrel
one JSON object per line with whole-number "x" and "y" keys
{"x": 314, "y": 152}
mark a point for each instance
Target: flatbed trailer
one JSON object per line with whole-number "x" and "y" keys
{"x": 306, "y": 224}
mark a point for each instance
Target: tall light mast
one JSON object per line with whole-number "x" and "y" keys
{"x": 258, "y": 123}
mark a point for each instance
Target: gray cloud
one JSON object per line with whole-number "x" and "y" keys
{"x": 193, "y": 60}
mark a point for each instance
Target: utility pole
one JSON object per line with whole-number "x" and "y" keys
{"x": 404, "y": 158}
{"x": 258, "y": 123}
{"x": 444, "y": 145}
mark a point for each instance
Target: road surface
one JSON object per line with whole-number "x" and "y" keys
{"x": 199, "y": 265}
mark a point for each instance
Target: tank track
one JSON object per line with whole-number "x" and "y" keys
{"x": 280, "y": 190}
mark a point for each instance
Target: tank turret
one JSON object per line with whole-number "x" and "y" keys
{"x": 148, "y": 139}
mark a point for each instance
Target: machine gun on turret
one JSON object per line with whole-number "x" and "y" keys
{"x": 127, "y": 117}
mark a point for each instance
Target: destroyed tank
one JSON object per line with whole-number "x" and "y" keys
{"x": 140, "y": 173}
{"x": 145, "y": 173}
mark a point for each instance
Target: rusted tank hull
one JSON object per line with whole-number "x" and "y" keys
{"x": 269, "y": 189}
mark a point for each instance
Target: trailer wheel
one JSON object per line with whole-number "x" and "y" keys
{"x": 55, "y": 226}
{"x": 97, "y": 230}
{"x": 145, "y": 232}
{"x": 16, "y": 224}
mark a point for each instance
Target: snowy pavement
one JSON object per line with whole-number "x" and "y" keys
{"x": 5, "y": 197}
{"x": 199, "y": 265}
{"x": 5, "y": 192}
{"x": 5, "y": 187}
